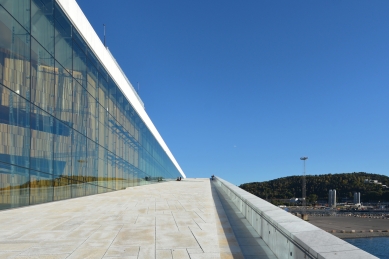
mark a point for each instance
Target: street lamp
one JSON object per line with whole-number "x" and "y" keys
{"x": 304, "y": 188}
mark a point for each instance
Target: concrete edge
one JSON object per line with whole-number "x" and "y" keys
{"x": 317, "y": 242}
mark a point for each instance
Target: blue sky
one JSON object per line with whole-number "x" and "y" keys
{"x": 242, "y": 90}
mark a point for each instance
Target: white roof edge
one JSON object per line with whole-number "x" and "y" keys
{"x": 79, "y": 20}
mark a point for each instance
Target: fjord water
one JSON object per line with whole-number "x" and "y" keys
{"x": 378, "y": 246}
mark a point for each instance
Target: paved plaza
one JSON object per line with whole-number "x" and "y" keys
{"x": 168, "y": 220}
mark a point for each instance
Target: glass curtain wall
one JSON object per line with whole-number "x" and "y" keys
{"x": 66, "y": 129}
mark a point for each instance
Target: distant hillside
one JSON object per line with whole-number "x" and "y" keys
{"x": 345, "y": 184}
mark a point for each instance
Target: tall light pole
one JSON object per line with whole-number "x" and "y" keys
{"x": 304, "y": 188}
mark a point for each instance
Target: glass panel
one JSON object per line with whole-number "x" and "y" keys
{"x": 120, "y": 107}
{"x": 41, "y": 187}
{"x": 90, "y": 189}
{"x": 63, "y": 95}
{"x": 102, "y": 167}
{"x": 112, "y": 98}
{"x": 63, "y": 46}
{"x": 102, "y": 189}
{"x": 119, "y": 177}
{"x": 79, "y": 41}
{"x": 14, "y": 186}
{"x": 19, "y": 9}
{"x": 43, "y": 78}
{"x": 63, "y": 21}
{"x": 78, "y": 189}
{"x": 103, "y": 73}
{"x": 79, "y": 65}
{"x": 103, "y": 127}
{"x": 92, "y": 80}
{"x": 80, "y": 103}
{"x": 42, "y": 129}
{"x": 111, "y": 170}
{"x": 79, "y": 161}
{"x": 91, "y": 117}
{"x": 14, "y": 128}
{"x": 62, "y": 149}
{"x": 62, "y": 188}
{"x": 42, "y": 23}
{"x": 111, "y": 133}
{"x": 14, "y": 55}
{"x": 92, "y": 162}
{"x": 92, "y": 58}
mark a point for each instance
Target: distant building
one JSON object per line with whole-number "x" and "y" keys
{"x": 332, "y": 198}
{"x": 357, "y": 198}
{"x": 372, "y": 181}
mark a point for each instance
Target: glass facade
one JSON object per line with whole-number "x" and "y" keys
{"x": 66, "y": 129}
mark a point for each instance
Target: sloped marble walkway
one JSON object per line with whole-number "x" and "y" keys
{"x": 176, "y": 220}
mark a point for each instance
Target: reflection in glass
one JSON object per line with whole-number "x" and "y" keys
{"x": 79, "y": 161}
{"x": 14, "y": 55}
{"x": 63, "y": 95}
{"x": 20, "y": 9}
{"x": 62, "y": 188}
{"x": 14, "y": 128}
{"x": 78, "y": 189}
{"x": 41, "y": 151}
{"x": 41, "y": 187}
{"x": 14, "y": 186}
{"x": 43, "y": 77}
{"x": 62, "y": 149}
{"x": 42, "y": 23}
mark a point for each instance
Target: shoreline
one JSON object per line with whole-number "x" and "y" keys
{"x": 351, "y": 227}
{"x": 360, "y": 235}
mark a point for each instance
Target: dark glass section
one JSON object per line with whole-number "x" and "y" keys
{"x": 42, "y": 23}
{"x": 79, "y": 41}
{"x": 79, "y": 65}
{"x": 63, "y": 42}
{"x": 20, "y": 9}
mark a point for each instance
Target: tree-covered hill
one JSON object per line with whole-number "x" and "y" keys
{"x": 345, "y": 184}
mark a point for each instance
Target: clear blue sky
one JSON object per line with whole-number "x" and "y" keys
{"x": 242, "y": 90}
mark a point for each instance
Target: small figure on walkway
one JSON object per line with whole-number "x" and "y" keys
{"x": 178, "y": 178}
{"x": 212, "y": 177}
